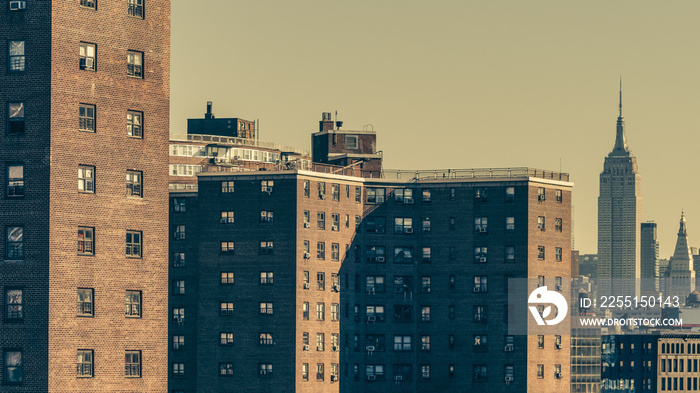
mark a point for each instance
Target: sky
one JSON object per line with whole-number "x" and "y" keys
{"x": 463, "y": 84}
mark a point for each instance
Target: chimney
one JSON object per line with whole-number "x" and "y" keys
{"x": 326, "y": 123}
{"x": 209, "y": 115}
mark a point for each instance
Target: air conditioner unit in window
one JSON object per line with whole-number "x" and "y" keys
{"x": 482, "y": 229}
{"x": 371, "y": 377}
{"x": 477, "y": 289}
{"x": 408, "y": 230}
{"x": 557, "y": 345}
{"x": 307, "y": 255}
{"x": 557, "y": 375}
{"x": 540, "y": 197}
{"x": 509, "y": 379}
{"x": 306, "y": 347}
{"x": 482, "y": 259}
{"x": 334, "y": 348}
{"x": 370, "y": 348}
{"x": 408, "y": 201}
{"x": 17, "y": 5}
{"x": 508, "y": 348}
{"x": 307, "y": 225}
{"x": 306, "y": 285}
{"x": 322, "y": 196}
{"x": 334, "y": 228}
{"x": 334, "y": 378}
{"x": 335, "y": 288}
{"x": 371, "y": 318}
{"x": 89, "y": 63}
{"x": 398, "y": 378}
{"x": 380, "y": 259}
{"x": 223, "y": 220}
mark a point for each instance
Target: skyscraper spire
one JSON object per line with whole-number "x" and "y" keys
{"x": 620, "y": 139}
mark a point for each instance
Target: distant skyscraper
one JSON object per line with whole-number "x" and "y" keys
{"x": 619, "y": 215}
{"x": 680, "y": 276}
{"x": 649, "y": 257}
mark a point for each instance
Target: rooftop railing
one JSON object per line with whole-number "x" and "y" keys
{"x": 478, "y": 173}
{"x": 227, "y": 140}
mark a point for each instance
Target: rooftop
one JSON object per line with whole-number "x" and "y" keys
{"x": 231, "y": 141}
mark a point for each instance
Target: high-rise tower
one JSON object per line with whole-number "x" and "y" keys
{"x": 84, "y": 129}
{"x": 649, "y": 258}
{"x": 680, "y": 276}
{"x": 619, "y": 216}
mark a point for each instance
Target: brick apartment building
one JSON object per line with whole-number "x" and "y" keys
{"x": 84, "y": 92}
{"x": 352, "y": 278}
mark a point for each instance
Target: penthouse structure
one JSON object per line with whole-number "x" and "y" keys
{"x": 354, "y": 278}
{"x": 84, "y": 135}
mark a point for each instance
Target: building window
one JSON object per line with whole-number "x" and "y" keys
{"x": 307, "y": 188}
{"x": 321, "y": 250}
{"x": 540, "y": 253}
{"x": 226, "y": 218}
{"x": 85, "y": 302}
{"x": 267, "y": 186}
{"x": 374, "y": 372}
{"x": 540, "y": 342}
{"x": 347, "y": 221}
{"x": 425, "y": 343}
{"x": 225, "y": 369}
{"x": 265, "y": 339}
{"x": 305, "y": 311}
{"x": 227, "y": 187}
{"x": 480, "y": 373}
{"x": 480, "y": 284}
{"x": 559, "y": 196}
{"x": 320, "y": 341}
{"x": 541, "y": 195}
{"x": 335, "y": 252}
{"x": 403, "y": 373}
{"x": 425, "y": 284}
{"x": 335, "y": 311}
{"x": 481, "y": 224}
{"x": 321, "y": 220}
{"x": 403, "y": 195}
{"x": 133, "y": 244}
{"x": 134, "y": 63}
{"x": 13, "y": 363}
{"x": 14, "y": 310}
{"x": 87, "y": 56}
{"x": 541, "y": 223}
{"x": 403, "y": 225}
{"x": 134, "y": 124}
{"x": 335, "y": 222}
{"x": 376, "y": 195}
{"x": 179, "y": 205}
{"x": 375, "y": 313}
{"x": 375, "y": 284}
{"x": 321, "y": 190}
{"x": 179, "y": 232}
{"x": 15, "y": 180}
{"x": 335, "y": 192}
{"x": 510, "y": 254}
{"x": 227, "y": 278}
{"x": 558, "y": 225}
{"x": 132, "y": 364}
{"x": 403, "y": 255}
{"x": 226, "y": 339}
{"x": 178, "y": 287}
{"x": 376, "y": 224}
{"x": 305, "y": 372}
{"x": 17, "y": 57}
{"x": 426, "y": 224}
{"x": 319, "y": 372}
{"x": 89, "y": 4}
{"x": 510, "y": 224}
{"x": 320, "y": 311}
{"x": 557, "y": 373}
{"x": 265, "y": 370}
{"x": 14, "y": 243}
{"x": 133, "y": 302}
{"x": 134, "y": 183}
{"x": 227, "y": 248}
{"x": 267, "y": 216}
{"x": 266, "y": 248}
{"x": 480, "y": 314}
{"x": 510, "y": 194}
{"x": 136, "y": 8}
{"x": 15, "y": 115}
{"x": 358, "y": 195}
{"x": 425, "y": 314}
{"x": 306, "y": 280}
{"x": 481, "y": 193}
{"x": 86, "y": 117}
{"x": 480, "y": 254}
{"x": 557, "y": 342}
{"x": 557, "y": 254}
{"x": 540, "y": 371}
{"x": 403, "y": 313}
{"x": 402, "y": 343}
{"x": 226, "y": 308}
{"x": 178, "y": 369}
{"x": 86, "y": 179}
{"x": 179, "y": 316}
{"x": 84, "y": 363}
{"x": 266, "y": 308}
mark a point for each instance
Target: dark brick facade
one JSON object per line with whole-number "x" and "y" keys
{"x": 52, "y": 148}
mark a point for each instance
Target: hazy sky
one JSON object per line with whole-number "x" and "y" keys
{"x": 463, "y": 84}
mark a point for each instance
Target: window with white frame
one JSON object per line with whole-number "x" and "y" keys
{"x": 88, "y": 56}
{"x": 134, "y": 62}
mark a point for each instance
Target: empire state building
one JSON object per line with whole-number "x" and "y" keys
{"x": 619, "y": 218}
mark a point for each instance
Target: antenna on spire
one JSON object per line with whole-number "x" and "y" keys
{"x": 620, "y": 95}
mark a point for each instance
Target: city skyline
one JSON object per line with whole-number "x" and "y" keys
{"x": 525, "y": 73}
